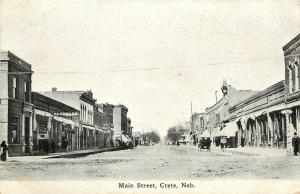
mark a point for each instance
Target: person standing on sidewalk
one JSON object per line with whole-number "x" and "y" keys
{"x": 4, "y": 151}
{"x": 223, "y": 143}
{"x": 295, "y": 143}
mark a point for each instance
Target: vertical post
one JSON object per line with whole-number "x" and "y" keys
{"x": 30, "y": 134}
{"x": 256, "y": 132}
{"x": 297, "y": 119}
{"x": 289, "y": 131}
{"x": 270, "y": 129}
{"x": 192, "y": 124}
{"x": 23, "y": 133}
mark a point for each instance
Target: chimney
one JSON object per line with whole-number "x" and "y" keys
{"x": 54, "y": 89}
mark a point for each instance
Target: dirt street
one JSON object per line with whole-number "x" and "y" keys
{"x": 153, "y": 162}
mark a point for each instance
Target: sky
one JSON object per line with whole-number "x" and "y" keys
{"x": 155, "y": 57}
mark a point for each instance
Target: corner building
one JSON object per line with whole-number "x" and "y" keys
{"x": 15, "y": 104}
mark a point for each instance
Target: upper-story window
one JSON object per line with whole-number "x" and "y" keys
{"x": 15, "y": 88}
{"x": 27, "y": 91}
{"x": 294, "y": 80}
{"x": 81, "y": 111}
{"x": 296, "y": 65}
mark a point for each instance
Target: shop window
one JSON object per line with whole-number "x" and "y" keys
{"x": 14, "y": 135}
{"x": 15, "y": 88}
{"x": 42, "y": 123}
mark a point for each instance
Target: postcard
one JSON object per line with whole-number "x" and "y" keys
{"x": 149, "y": 96}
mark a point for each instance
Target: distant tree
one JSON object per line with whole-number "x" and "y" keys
{"x": 175, "y": 133}
{"x": 152, "y": 136}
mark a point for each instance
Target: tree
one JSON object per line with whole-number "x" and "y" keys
{"x": 175, "y": 133}
{"x": 152, "y": 136}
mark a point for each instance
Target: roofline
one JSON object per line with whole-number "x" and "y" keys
{"x": 33, "y": 92}
{"x": 259, "y": 94}
{"x": 285, "y": 47}
{"x": 5, "y": 55}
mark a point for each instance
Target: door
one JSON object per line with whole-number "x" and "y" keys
{"x": 27, "y": 134}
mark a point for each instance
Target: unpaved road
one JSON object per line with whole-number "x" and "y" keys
{"x": 153, "y": 162}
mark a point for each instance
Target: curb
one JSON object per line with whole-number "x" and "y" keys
{"x": 76, "y": 155}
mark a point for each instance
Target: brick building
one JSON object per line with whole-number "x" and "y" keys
{"x": 270, "y": 117}
{"x": 15, "y": 103}
{"x": 120, "y": 120}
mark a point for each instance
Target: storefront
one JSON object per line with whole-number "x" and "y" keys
{"x": 54, "y": 125}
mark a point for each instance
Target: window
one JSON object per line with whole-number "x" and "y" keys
{"x": 42, "y": 123}
{"x": 296, "y": 77}
{"x": 296, "y": 64}
{"x": 84, "y": 107}
{"x": 290, "y": 70}
{"x": 15, "y": 88}
{"x": 81, "y": 109}
{"x": 14, "y": 129}
{"x": 26, "y": 90}
{"x": 218, "y": 117}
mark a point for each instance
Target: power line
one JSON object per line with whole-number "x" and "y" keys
{"x": 143, "y": 69}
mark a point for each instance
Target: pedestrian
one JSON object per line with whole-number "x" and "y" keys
{"x": 4, "y": 151}
{"x": 208, "y": 144}
{"x": 53, "y": 146}
{"x": 223, "y": 143}
{"x": 295, "y": 143}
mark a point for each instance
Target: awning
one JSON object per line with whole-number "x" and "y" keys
{"x": 205, "y": 133}
{"x": 101, "y": 130}
{"x": 229, "y": 130}
{"x": 89, "y": 127}
{"x": 215, "y": 132}
{"x": 64, "y": 120}
{"x": 42, "y": 113}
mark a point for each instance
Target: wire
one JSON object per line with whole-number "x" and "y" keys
{"x": 142, "y": 69}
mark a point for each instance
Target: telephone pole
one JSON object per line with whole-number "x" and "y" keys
{"x": 192, "y": 120}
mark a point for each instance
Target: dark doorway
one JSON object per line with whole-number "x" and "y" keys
{"x": 27, "y": 134}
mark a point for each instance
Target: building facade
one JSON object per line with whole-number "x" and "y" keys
{"x": 292, "y": 90}
{"x": 120, "y": 120}
{"x": 84, "y": 102}
{"x": 261, "y": 119}
{"x": 270, "y": 118}
{"x": 55, "y": 125}
{"x": 15, "y": 104}
{"x": 217, "y": 115}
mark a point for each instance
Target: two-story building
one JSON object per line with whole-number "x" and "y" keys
{"x": 84, "y": 102}
{"x": 120, "y": 123}
{"x": 15, "y": 104}
{"x": 292, "y": 90}
{"x": 55, "y": 125}
{"x": 270, "y": 117}
{"x": 217, "y": 116}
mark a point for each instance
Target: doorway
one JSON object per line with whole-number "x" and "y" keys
{"x": 27, "y": 134}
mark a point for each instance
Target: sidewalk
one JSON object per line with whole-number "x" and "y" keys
{"x": 254, "y": 151}
{"x": 70, "y": 154}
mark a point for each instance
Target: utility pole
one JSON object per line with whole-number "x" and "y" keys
{"x": 192, "y": 116}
